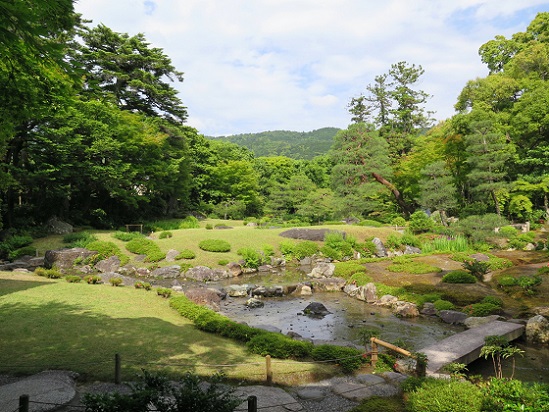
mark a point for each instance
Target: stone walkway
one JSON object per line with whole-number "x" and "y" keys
{"x": 50, "y": 389}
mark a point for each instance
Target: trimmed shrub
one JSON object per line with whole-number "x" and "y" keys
{"x": 481, "y": 309}
{"x": 144, "y": 246}
{"x": 215, "y": 245}
{"x": 398, "y": 221}
{"x": 459, "y": 276}
{"x": 496, "y": 263}
{"x": 126, "y": 236}
{"x": 142, "y": 285}
{"x": 164, "y": 292}
{"x": 501, "y": 395}
{"x": 165, "y": 235}
{"x": 494, "y": 300}
{"x": 73, "y": 279}
{"x": 370, "y": 223}
{"x": 420, "y": 222}
{"x": 223, "y": 262}
{"x": 335, "y": 242}
{"x": 440, "y": 395}
{"x": 48, "y": 273}
{"x": 279, "y": 346}
{"x": 478, "y": 269}
{"x": 442, "y": 304}
{"x": 346, "y": 269}
{"x": 105, "y": 250}
{"x": 13, "y": 243}
{"x": 507, "y": 281}
{"x": 93, "y": 279}
{"x": 209, "y": 226}
{"x": 349, "y": 359}
{"x": 116, "y": 281}
{"x": 186, "y": 254}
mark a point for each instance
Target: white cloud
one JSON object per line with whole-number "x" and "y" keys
{"x": 294, "y": 64}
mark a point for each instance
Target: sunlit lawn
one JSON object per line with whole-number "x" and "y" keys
{"x": 54, "y": 324}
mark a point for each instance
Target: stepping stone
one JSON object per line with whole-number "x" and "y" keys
{"x": 370, "y": 380}
{"x": 269, "y": 399}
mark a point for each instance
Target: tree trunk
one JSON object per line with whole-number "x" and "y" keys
{"x": 495, "y": 199}
{"x": 403, "y": 205}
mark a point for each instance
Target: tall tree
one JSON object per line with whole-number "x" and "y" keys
{"x": 127, "y": 69}
{"x": 437, "y": 189}
{"x": 488, "y": 154}
{"x": 358, "y": 153}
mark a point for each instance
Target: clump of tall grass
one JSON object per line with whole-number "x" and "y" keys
{"x": 446, "y": 244}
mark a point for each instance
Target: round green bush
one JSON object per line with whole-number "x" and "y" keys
{"x": 279, "y": 346}
{"x": 73, "y": 279}
{"x": 105, "y": 250}
{"x": 24, "y": 251}
{"x": 165, "y": 235}
{"x": 481, "y": 309}
{"x": 144, "y": 246}
{"x": 305, "y": 249}
{"x": 186, "y": 254}
{"x": 442, "y": 304}
{"x": 223, "y": 262}
{"x": 440, "y": 395}
{"x": 350, "y": 359}
{"x": 215, "y": 245}
{"x": 378, "y": 404}
{"x": 142, "y": 285}
{"x": 494, "y": 300}
{"x": 116, "y": 281}
{"x": 126, "y": 236}
{"x": 459, "y": 276}
{"x": 507, "y": 281}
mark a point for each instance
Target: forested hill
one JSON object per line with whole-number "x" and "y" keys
{"x": 295, "y": 145}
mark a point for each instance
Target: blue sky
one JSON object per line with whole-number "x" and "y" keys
{"x": 256, "y": 65}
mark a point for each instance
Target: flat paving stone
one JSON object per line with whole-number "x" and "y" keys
{"x": 269, "y": 399}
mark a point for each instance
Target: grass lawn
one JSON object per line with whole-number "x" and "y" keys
{"x": 238, "y": 236}
{"x": 80, "y": 327}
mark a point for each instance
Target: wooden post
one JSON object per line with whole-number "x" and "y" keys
{"x": 23, "y": 403}
{"x": 117, "y": 366}
{"x": 373, "y": 358}
{"x": 269, "y": 369}
{"x": 252, "y": 403}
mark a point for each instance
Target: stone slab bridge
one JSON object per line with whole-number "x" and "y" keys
{"x": 464, "y": 347}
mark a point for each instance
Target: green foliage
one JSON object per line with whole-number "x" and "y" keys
{"x": 79, "y": 239}
{"x": 495, "y": 263}
{"x": 126, "y": 236}
{"x": 93, "y": 279}
{"x": 506, "y": 395}
{"x": 144, "y": 246}
{"x": 439, "y": 395}
{"x": 443, "y": 305}
{"x": 370, "y": 223}
{"x": 494, "y": 300}
{"x": 482, "y": 309}
{"x": 165, "y": 235}
{"x": 279, "y": 346}
{"x": 223, "y": 262}
{"x": 346, "y": 269}
{"x": 397, "y": 241}
{"x": 508, "y": 232}
{"x": 189, "y": 393}
{"x": 24, "y": 251}
{"x": 479, "y": 228}
{"x": 477, "y": 268}
{"x": 336, "y": 246}
{"x": 142, "y": 285}
{"x": 13, "y": 243}
{"x": 543, "y": 270}
{"x": 48, "y": 273}
{"x": 350, "y": 359}
{"x": 73, "y": 279}
{"x": 404, "y": 264}
{"x": 506, "y": 281}
{"x": 105, "y": 250}
{"x": 209, "y": 226}
{"x": 398, "y": 221}
{"x": 189, "y": 222}
{"x": 459, "y": 276}
{"x": 164, "y": 292}
{"x": 304, "y": 249}
{"x": 252, "y": 258}
{"x": 215, "y": 245}
{"x": 377, "y": 404}
{"x": 360, "y": 279}
{"x": 116, "y": 281}
{"x": 186, "y": 254}
{"x": 420, "y": 222}
{"x": 446, "y": 244}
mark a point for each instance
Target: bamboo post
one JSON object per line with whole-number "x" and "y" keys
{"x": 373, "y": 358}
{"x": 23, "y": 403}
{"x": 117, "y": 368}
{"x": 269, "y": 369}
{"x": 252, "y": 403}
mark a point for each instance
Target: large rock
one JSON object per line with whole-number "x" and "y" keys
{"x": 171, "y": 255}
{"x": 167, "y": 272}
{"x": 387, "y": 301}
{"x": 268, "y": 291}
{"x": 411, "y": 250}
{"x": 541, "y": 310}
{"x": 452, "y": 316}
{"x": 428, "y": 309}
{"x": 65, "y": 258}
{"x": 254, "y": 303}
{"x": 206, "y": 274}
{"x": 315, "y": 309}
{"x": 405, "y": 309}
{"x": 58, "y": 227}
{"x": 329, "y": 284}
{"x": 474, "y": 321}
{"x": 537, "y": 330}
{"x": 235, "y": 269}
{"x": 351, "y": 289}
{"x": 309, "y": 234}
{"x": 239, "y": 291}
{"x": 111, "y": 264}
{"x": 367, "y": 293}
{"x": 380, "y": 247}
{"x": 322, "y": 270}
